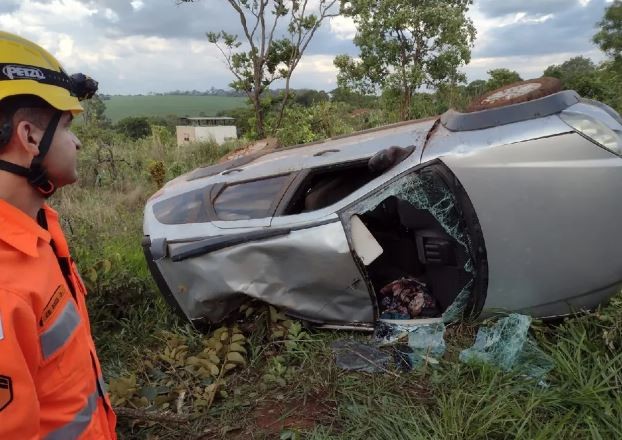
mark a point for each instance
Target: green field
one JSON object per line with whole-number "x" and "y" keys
{"x": 120, "y": 106}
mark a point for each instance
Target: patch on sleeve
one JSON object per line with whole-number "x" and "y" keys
{"x": 6, "y": 391}
{"x": 56, "y": 299}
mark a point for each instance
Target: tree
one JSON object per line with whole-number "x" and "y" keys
{"x": 580, "y": 74}
{"x": 268, "y": 58}
{"x": 405, "y": 45}
{"x": 573, "y": 68}
{"x": 94, "y": 114}
{"x": 476, "y": 88}
{"x": 501, "y": 77}
{"x": 609, "y": 38}
{"x": 134, "y": 127}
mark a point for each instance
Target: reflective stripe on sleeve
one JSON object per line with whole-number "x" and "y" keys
{"x": 73, "y": 429}
{"x": 59, "y": 332}
{"x": 102, "y": 384}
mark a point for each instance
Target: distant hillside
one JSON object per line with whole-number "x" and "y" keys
{"x": 119, "y": 107}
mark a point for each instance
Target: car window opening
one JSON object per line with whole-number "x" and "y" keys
{"x": 425, "y": 268}
{"x": 422, "y": 268}
{"x": 326, "y": 186}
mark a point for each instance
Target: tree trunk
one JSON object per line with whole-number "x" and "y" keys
{"x": 405, "y": 104}
{"x": 259, "y": 116}
{"x": 283, "y": 104}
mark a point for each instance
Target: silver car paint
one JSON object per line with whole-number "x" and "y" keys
{"x": 493, "y": 174}
{"x": 561, "y": 249}
{"x": 282, "y": 271}
{"x": 354, "y": 147}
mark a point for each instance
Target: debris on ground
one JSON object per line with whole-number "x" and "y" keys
{"x": 407, "y": 298}
{"x": 409, "y": 344}
{"x": 417, "y": 342}
{"x": 427, "y": 343}
{"x": 507, "y": 345}
{"x": 358, "y": 356}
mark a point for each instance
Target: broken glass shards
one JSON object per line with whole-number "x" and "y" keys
{"x": 427, "y": 343}
{"x": 455, "y": 311}
{"x": 507, "y": 345}
{"x": 424, "y": 338}
{"x": 357, "y": 356}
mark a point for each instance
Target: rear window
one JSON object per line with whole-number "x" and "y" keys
{"x": 250, "y": 200}
{"x": 189, "y": 207}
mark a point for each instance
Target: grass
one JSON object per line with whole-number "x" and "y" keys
{"x": 290, "y": 387}
{"x": 119, "y": 107}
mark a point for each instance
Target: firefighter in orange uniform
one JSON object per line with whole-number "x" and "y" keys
{"x": 51, "y": 384}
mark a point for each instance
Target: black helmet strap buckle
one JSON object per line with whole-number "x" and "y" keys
{"x": 37, "y": 176}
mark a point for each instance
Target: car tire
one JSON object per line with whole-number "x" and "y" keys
{"x": 516, "y": 93}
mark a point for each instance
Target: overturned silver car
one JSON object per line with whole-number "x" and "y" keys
{"x": 513, "y": 207}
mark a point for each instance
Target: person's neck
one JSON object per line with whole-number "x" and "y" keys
{"x": 16, "y": 191}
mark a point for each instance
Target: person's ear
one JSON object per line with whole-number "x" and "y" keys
{"x": 28, "y": 137}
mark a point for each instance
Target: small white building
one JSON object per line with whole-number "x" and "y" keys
{"x": 217, "y": 129}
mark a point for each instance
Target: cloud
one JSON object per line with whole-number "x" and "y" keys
{"x": 499, "y": 8}
{"x": 528, "y": 66}
{"x": 139, "y": 46}
{"x": 569, "y": 29}
{"x": 9, "y": 6}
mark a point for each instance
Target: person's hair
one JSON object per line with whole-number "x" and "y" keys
{"x": 25, "y": 108}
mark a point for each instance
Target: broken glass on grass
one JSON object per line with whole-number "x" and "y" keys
{"x": 357, "y": 356}
{"x": 508, "y": 346}
{"x": 425, "y": 343}
{"x": 425, "y": 346}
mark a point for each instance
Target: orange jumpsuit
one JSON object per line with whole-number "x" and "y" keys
{"x": 51, "y": 384}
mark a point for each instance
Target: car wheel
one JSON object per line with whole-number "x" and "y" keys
{"x": 516, "y": 93}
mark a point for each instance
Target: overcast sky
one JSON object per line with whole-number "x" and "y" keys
{"x": 143, "y": 46}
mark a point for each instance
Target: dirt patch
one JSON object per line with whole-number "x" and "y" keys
{"x": 271, "y": 417}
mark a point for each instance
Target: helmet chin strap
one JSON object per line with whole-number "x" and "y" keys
{"x": 36, "y": 174}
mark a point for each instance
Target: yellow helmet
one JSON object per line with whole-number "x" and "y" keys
{"x": 28, "y": 69}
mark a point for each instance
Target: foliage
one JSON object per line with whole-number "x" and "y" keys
{"x": 609, "y": 38}
{"x": 157, "y": 171}
{"x": 501, "y": 77}
{"x": 404, "y": 47}
{"x": 352, "y": 98}
{"x": 95, "y": 113}
{"x": 134, "y": 127}
{"x": 589, "y": 80}
{"x": 321, "y": 121}
{"x": 269, "y": 57}
{"x": 308, "y": 98}
{"x": 185, "y": 374}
